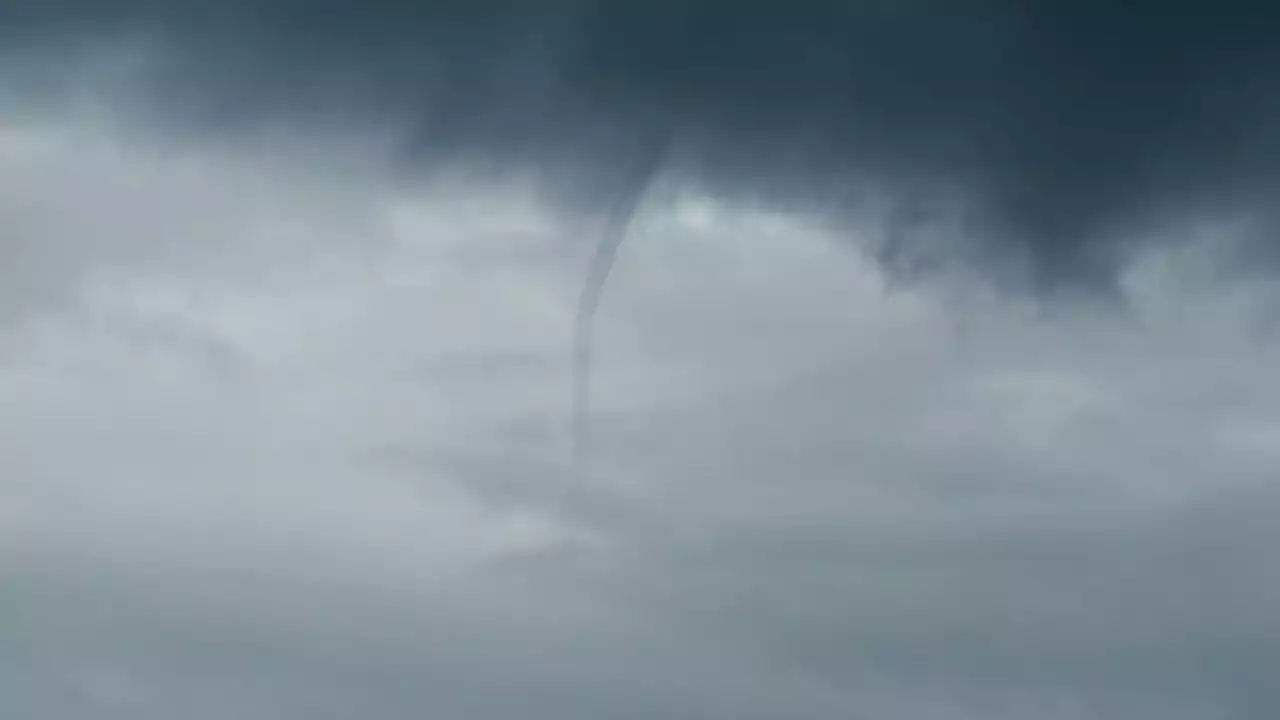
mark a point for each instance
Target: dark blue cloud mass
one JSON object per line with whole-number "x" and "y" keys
{"x": 1049, "y": 134}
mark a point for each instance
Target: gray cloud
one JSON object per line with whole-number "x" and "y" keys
{"x": 277, "y": 443}
{"x": 1054, "y": 134}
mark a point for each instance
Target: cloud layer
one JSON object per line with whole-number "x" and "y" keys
{"x": 277, "y": 449}
{"x": 1048, "y": 138}
{"x": 286, "y": 305}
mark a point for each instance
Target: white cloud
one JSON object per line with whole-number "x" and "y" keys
{"x": 279, "y": 443}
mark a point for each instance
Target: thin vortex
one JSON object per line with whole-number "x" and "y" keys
{"x": 612, "y": 234}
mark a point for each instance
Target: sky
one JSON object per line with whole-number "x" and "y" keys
{"x": 934, "y": 376}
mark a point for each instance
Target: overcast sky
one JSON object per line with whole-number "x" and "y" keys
{"x": 285, "y": 365}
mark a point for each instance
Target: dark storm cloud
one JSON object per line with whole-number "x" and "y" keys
{"x": 1056, "y": 129}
